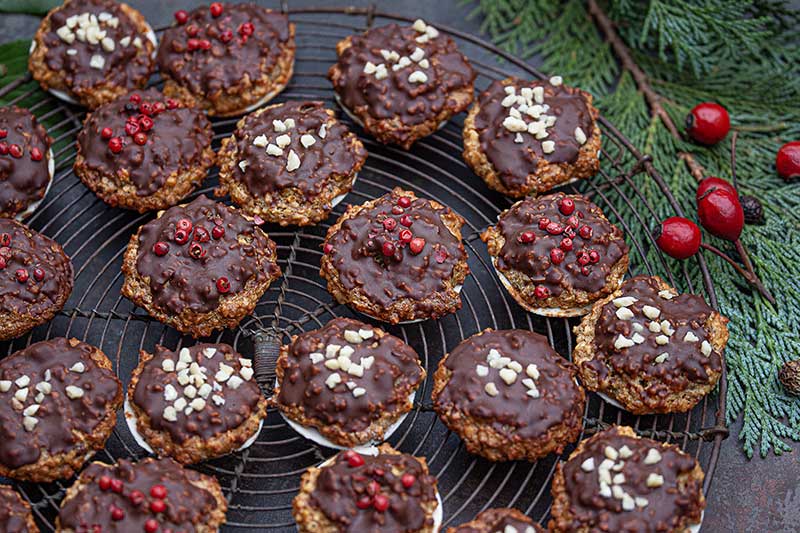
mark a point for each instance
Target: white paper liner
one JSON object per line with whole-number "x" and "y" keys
{"x": 131, "y": 420}
{"x": 51, "y": 169}
{"x": 337, "y": 200}
{"x": 61, "y": 95}
{"x": 696, "y": 527}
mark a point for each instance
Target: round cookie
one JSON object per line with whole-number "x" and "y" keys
{"x": 616, "y": 481}
{"x": 396, "y": 258}
{"x": 557, "y": 254}
{"x": 289, "y": 163}
{"x": 150, "y": 495}
{"x": 509, "y": 396}
{"x": 651, "y": 349}
{"x": 503, "y": 520}
{"x": 58, "y": 404}
{"x": 199, "y": 267}
{"x": 144, "y": 152}
{"x": 401, "y": 83}
{"x": 35, "y": 279}
{"x": 195, "y": 404}
{"x": 390, "y": 492}
{"x": 229, "y": 62}
{"x": 15, "y": 513}
{"x": 526, "y": 137}
{"x": 92, "y": 51}
{"x": 376, "y": 373}
{"x": 26, "y": 162}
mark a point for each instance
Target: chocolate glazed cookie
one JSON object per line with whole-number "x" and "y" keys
{"x": 229, "y": 58}
{"x": 289, "y": 163}
{"x": 509, "y": 396}
{"x": 616, "y": 481}
{"x": 35, "y": 279}
{"x": 26, "y": 162}
{"x": 92, "y": 51}
{"x": 199, "y": 267}
{"x": 348, "y": 380}
{"x": 397, "y": 258}
{"x": 195, "y": 404}
{"x": 58, "y": 403}
{"x": 390, "y": 492}
{"x": 651, "y": 349}
{"x": 401, "y": 83}
{"x": 143, "y": 151}
{"x": 557, "y": 254}
{"x": 526, "y": 137}
{"x": 153, "y": 495}
{"x": 15, "y": 513}
{"x": 499, "y": 521}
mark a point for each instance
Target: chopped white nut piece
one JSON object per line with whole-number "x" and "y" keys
{"x": 245, "y": 362}
{"x": 235, "y": 382}
{"x": 515, "y": 366}
{"x": 170, "y": 414}
{"x": 588, "y": 465}
{"x": 366, "y": 333}
{"x": 5, "y": 385}
{"x": 529, "y": 383}
{"x": 97, "y": 61}
{"x": 637, "y": 338}
{"x": 29, "y": 423}
{"x": 653, "y": 457}
{"x": 356, "y": 370}
{"x": 73, "y": 392}
{"x": 604, "y": 476}
{"x": 538, "y": 95}
{"x": 292, "y": 161}
{"x": 333, "y": 380}
{"x": 346, "y": 351}
{"x": 705, "y": 348}
{"x": 618, "y": 492}
{"x": 637, "y": 327}
{"x": 217, "y": 399}
{"x": 137, "y": 42}
{"x": 432, "y": 32}
{"x": 580, "y": 136}
{"x": 307, "y": 140}
{"x": 556, "y": 80}
{"x": 65, "y": 34}
{"x": 183, "y": 379}
{"x": 283, "y": 140}
{"x": 651, "y": 312}
{"x": 660, "y": 358}
{"x": 508, "y": 375}
{"x": 619, "y": 466}
{"x": 482, "y": 370}
{"x": 22, "y": 381}
{"x": 518, "y": 138}
{"x": 125, "y": 41}
{"x": 168, "y": 365}
{"x": 185, "y": 356}
{"x": 628, "y": 503}
{"x": 417, "y": 77}
{"x": 190, "y": 391}
{"x": 198, "y": 404}
{"x": 279, "y": 126}
{"x": 424, "y": 63}
{"x": 666, "y": 294}
{"x": 359, "y": 391}
{"x": 420, "y": 25}
{"x": 370, "y": 68}
{"x": 351, "y": 385}
{"x": 500, "y": 362}
{"x": 492, "y": 355}
{"x": 72, "y": 21}
{"x": 332, "y": 364}
{"x": 381, "y": 72}
{"x": 605, "y": 490}
{"x": 322, "y": 133}
{"x": 618, "y": 479}
{"x": 641, "y": 502}
{"x": 331, "y": 350}
{"x": 31, "y": 410}
{"x": 514, "y": 112}
{"x": 260, "y": 141}
{"x": 623, "y": 313}
{"x": 508, "y": 101}
{"x": 533, "y": 393}
{"x": 289, "y": 122}
{"x": 690, "y": 337}
{"x": 417, "y": 55}
{"x": 654, "y": 326}
{"x": 72, "y": 52}
{"x": 170, "y": 393}
{"x": 402, "y": 63}
{"x": 666, "y": 328}
{"x": 316, "y": 357}
{"x": 624, "y": 301}
{"x": 611, "y": 453}
{"x": 108, "y": 44}
{"x": 273, "y": 150}
{"x": 510, "y": 89}
{"x": 514, "y": 124}
{"x": 352, "y": 336}
{"x": 204, "y": 390}
{"x": 654, "y": 480}
{"x": 344, "y": 362}
{"x": 246, "y": 372}
{"x": 21, "y": 394}
{"x": 625, "y": 452}
{"x": 491, "y": 389}
{"x": 532, "y": 370}
{"x": 367, "y": 362}
{"x": 623, "y": 342}
{"x": 661, "y": 340}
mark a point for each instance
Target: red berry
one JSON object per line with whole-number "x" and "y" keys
{"x": 406, "y": 220}
{"x": 158, "y": 506}
{"x": 185, "y": 224}
{"x": 364, "y": 502}
{"x": 541, "y": 292}
{"x": 327, "y": 248}
{"x": 406, "y": 236}
{"x": 136, "y": 497}
{"x": 117, "y": 486}
{"x": 158, "y": 107}
{"x": 196, "y": 251}
{"x": 21, "y": 274}
{"x": 172, "y": 104}
{"x": 554, "y": 228}
{"x": 416, "y": 245}
{"x": 181, "y": 16}
{"x": 226, "y": 36}
{"x": 787, "y": 162}
{"x": 216, "y": 9}
{"x": 106, "y": 133}
{"x": 131, "y": 128}
{"x": 218, "y": 232}
{"x": 5, "y": 239}
{"x": 556, "y": 255}
{"x": 246, "y": 29}
{"x": 721, "y": 214}
{"x": 192, "y": 44}
{"x": 146, "y": 123}
{"x": 135, "y": 99}
{"x": 158, "y": 491}
{"x": 397, "y": 210}
{"x": 585, "y": 232}
{"x": 204, "y": 44}
{"x": 3, "y": 262}
{"x": 201, "y": 234}
{"x": 15, "y": 150}
{"x": 566, "y": 206}
{"x": 380, "y": 503}
{"x": 3, "y": 148}
{"x": 585, "y": 271}
{"x": 389, "y": 224}
{"x": 146, "y": 108}
{"x": 104, "y": 482}
{"x": 223, "y": 285}
{"x": 117, "y": 514}
{"x": 440, "y": 255}
{"x": 36, "y": 154}
{"x": 161, "y": 248}
{"x": 3, "y": 133}
{"x": 566, "y": 244}
{"x": 527, "y": 237}
{"x": 543, "y": 222}
{"x": 38, "y": 274}
{"x": 712, "y": 181}
{"x": 151, "y": 525}
{"x": 181, "y": 236}
{"x": 678, "y": 237}
{"x": 355, "y": 460}
{"x": 583, "y": 258}
{"x": 115, "y": 145}
{"x": 594, "y": 256}
{"x": 404, "y": 202}
{"x": 388, "y": 249}
{"x": 407, "y": 480}
{"x": 708, "y": 123}
{"x": 573, "y": 222}
{"x": 140, "y": 138}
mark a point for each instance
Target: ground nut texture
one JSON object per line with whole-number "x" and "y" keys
{"x": 199, "y": 267}
{"x": 616, "y": 481}
{"x": 499, "y": 521}
{"x": 509, "y": 396}
{"x": 651, "y": 349}
{"x": 401, "y": 82}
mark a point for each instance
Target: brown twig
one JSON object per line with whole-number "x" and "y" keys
{"x": 751, "y": 278}
{"x": 734, "y": 136}
{"x": 695, "y": 168}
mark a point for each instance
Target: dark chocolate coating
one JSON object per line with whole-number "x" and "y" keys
{"x": 394, "y": 374}
{"x": 22, "y": 180}
{"x": 58, "y": 415}
{"x": 174, "y": 144}
{"x": 214, "y": 419}
{"x": 512, "y": 412}
{"x": 396, "y": 97}
{"x": 125, "y": 66}
{"x": 686, "y": 364}
{"x": 513, "y": 161}
{"x": 496, "y": 521}
{"x": 533, "y": 259}
{"x": 30, "y": 250}
{"x": 13, "y": 512}
{"x": 322, "y": 161}
{"x": 179, "y": 281}
{"x": 666, "y": 504}
{"x": 357, "y": 253}
{"x": 225, "y": 65}
{"x": 340, "y": 486}
{"x": 187, "y": 504}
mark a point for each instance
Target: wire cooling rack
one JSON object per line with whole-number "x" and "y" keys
{"x": 261, "y": 481}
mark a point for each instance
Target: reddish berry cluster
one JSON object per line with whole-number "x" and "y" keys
{"x": 16, "y": 151}
{"x": 373, "y": 498}
{"x": 405, "y": 237}
{"x": 139, "y": 122}
{"x": 245, "y": 30}
{"x": 136, "y": 497}
{"x": 21, "y": 275}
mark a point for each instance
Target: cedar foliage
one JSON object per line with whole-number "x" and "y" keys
{"x": 745, "y": 55}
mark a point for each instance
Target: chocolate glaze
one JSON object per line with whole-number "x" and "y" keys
{"x": 174, "y": 144}
{"x": 388, "y": 382}
{"x": 340, "y": 485}
{"x": 666, "y": 504}
{"x": 225, "y": 65}
{"x": 533, "y": 259}
{"x": 30, "y": 250}
{"x": 13, "y": 512}
{"x": 180, "y": 282}
{"x": 512, "y": 161}
{"x": 686, "y": 363}
{"x": 214, "y": 419}
{"x": 512, "y": 412}
{"x": 22, "y": 180}
{"x": 187, "y": 506}
{"x": 357, "y": 253}
{"x": 327, "y": 158}
{"x": 125, "y": 66}
{"x": 58, "y": 416}
{"x": 497, "y": 520}
{"x": 395, "y": 96}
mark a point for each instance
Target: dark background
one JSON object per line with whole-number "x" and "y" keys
{"x": 752, "y": 496}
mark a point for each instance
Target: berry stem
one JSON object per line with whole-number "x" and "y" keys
{"x": 751, "y": 278}
{"x": 734, "y": 136}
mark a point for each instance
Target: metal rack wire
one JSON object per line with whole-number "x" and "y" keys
{"x": 261, "y": 481}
